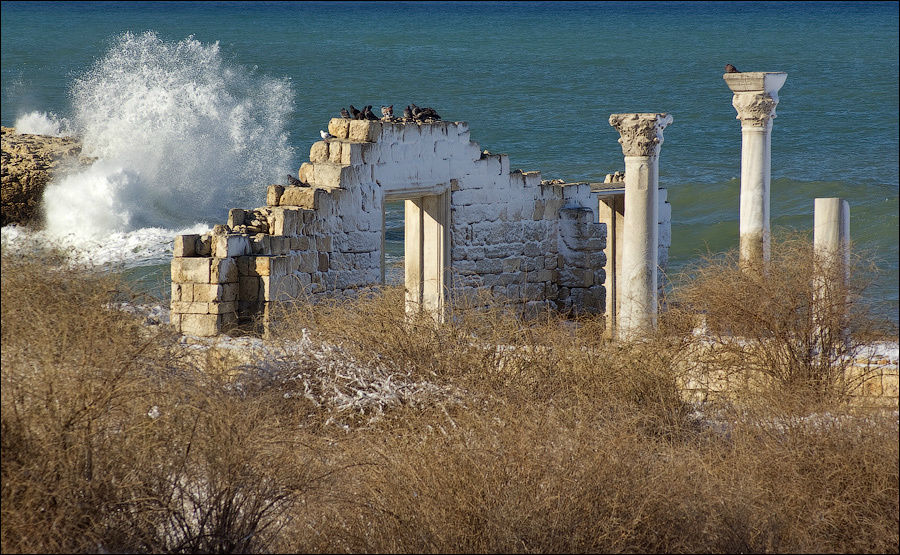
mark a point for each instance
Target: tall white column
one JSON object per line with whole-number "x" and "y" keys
{"x": 755, "y": 98}
{"x": 641, "y": 138}
{"x": 831, "y": 245}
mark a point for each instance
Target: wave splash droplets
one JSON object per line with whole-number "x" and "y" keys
{"x": 180, "y": 137}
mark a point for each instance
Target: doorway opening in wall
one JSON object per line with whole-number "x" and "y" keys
{"x": 392, "y": 264}
{"x": 425, "y": 247}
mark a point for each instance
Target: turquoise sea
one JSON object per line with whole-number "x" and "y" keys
{"x": 198, "y": 105}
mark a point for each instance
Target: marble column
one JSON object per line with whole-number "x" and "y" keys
{"x": 755, "y": 98}
{"x": 831, "y": 245}
{"x": 641, "y": 138}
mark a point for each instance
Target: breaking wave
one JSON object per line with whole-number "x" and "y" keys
{"x": 179, "y": 134}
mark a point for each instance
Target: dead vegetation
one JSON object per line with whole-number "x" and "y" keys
{"x": 374, "y": 432}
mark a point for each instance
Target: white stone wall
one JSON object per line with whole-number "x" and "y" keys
{"x": 533, "y": 243}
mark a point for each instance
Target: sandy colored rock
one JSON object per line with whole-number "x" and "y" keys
{"x": 29, "y": 163}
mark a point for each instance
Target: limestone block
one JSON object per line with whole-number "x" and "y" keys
{"x": 185, "y": 245}
{"x": 890, "y": 384}
{"x": 206, "y": 292}
{"x": 532, "y": 178}
{"x": 190, "y": 308}
{"x": 273, "y": 195}
{"x": 285, "y": 221}
{"x": 300, "y": 243}
{"x": 318, "y": 152}
{"x": 261, "y": 244}
{"x": 334, "y": 152}
{"x": 411, "y": 133}
{"x": 280, "y": 266}
{"x": 233, "y": 244}
{"x": 237, "y": 216}
{"x": 323, "y": 243}
{"x": 223, "y": 270}
{"x": 364, "y": 130}
{"x": 283, "y": 244}
{"x": 538, "y": 212}
{"x": 339, "y": 127}
{"x": 323, "y": 262}
{"x": 327, "y": 175}
{"x": 306, "y": 173}
{"x": 308, "y": 262}
{"x": 222, "y": 307}
{"x": 229, "y": 292}
{"x": 353, "y": 154}
{"x": 304, "y": 197}
{"x": 204, "y": 325}
{"x": 182, "y": 291}
{"x": 203, "y": 245}
{"x": 196, "y": 270}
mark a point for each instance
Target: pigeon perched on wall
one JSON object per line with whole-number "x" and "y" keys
{"x": 294, "y": 182}
{"x": 345, "y": 114}
{"x": 731, "y": 69}
{"x": 369, "y": 114}
{"x": 407, "y": 113}
{"x": 326, "y": 135}
{"x": 387, "y": 111}
{"x": 355, "y": 113}
{"x": 415, "y": 111}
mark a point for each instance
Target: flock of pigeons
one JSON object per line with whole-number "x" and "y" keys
{"x": 411, "y": 113}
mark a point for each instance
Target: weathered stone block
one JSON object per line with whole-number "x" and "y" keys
{"x": 323, "y": 243}
{"x": 204, "y": 325}
{"x": 203, "y": 245}
{"x": 339, "y": 127}
{"x": 363, "y": 130}
{"x": 318, "y": 152}
{"x": 222, "y": 307}
{"x": 306, "y": 173}
{"x": 182, "y": 292}
{"x": 323, "y": 262}
{"x": 285, "y": 221}
{"x": 273, "y": 195}
{"x": 206, "y": 292}
{"x": 334, "y": 152}
{"x": 303, "y": 197}
{"x": 190, "y": 308}
{"x": 196, "y": 270}
{"x": 238, "y": 216}
{"x": 223, "y": 270}
{"x": 233, "y": 244}
{"x": 185, "y": 245}
{"x": 300, "y": 243}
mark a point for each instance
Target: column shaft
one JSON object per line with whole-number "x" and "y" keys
{"x": 755, "y": 181}
{"x": 638, "y": 287}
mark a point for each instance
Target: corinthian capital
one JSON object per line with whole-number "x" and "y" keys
{"x": 641, "y": 134}
{"x": 755, "y": 109}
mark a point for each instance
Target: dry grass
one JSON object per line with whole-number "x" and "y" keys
{"x": 375, "y": 432}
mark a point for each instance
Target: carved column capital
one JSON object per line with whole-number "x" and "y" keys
{"x": 641, "y": 134}
{"x": 755, "y": 109}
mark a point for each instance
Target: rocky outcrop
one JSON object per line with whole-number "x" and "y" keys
{"x": 29, "y": 163}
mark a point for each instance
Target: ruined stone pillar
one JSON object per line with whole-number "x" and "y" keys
{"x": 641, "y": 138}
{"x": 831, "y": 245}
{"x": 755, "y": 98}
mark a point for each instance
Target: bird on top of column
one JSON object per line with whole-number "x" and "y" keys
{"x": 731, "y": 69}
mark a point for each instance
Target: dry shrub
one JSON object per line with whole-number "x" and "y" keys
{"x": 539, "y": 436}
{"x": 111, "y": 442}
{"x": 793, "y": 327}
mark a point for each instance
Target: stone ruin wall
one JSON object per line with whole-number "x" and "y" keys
{"x": 535, "y": 243}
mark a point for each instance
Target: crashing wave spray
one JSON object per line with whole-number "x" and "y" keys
{"x": 179, "y": 134}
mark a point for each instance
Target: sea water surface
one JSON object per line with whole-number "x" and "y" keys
{"x": 195, "y": 107}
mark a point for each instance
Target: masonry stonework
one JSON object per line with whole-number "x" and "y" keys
{"x": 472, "y": 226}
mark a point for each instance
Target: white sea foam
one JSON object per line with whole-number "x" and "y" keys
{"x": 180, "y": 136}
{"x": 43, "y": 123}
